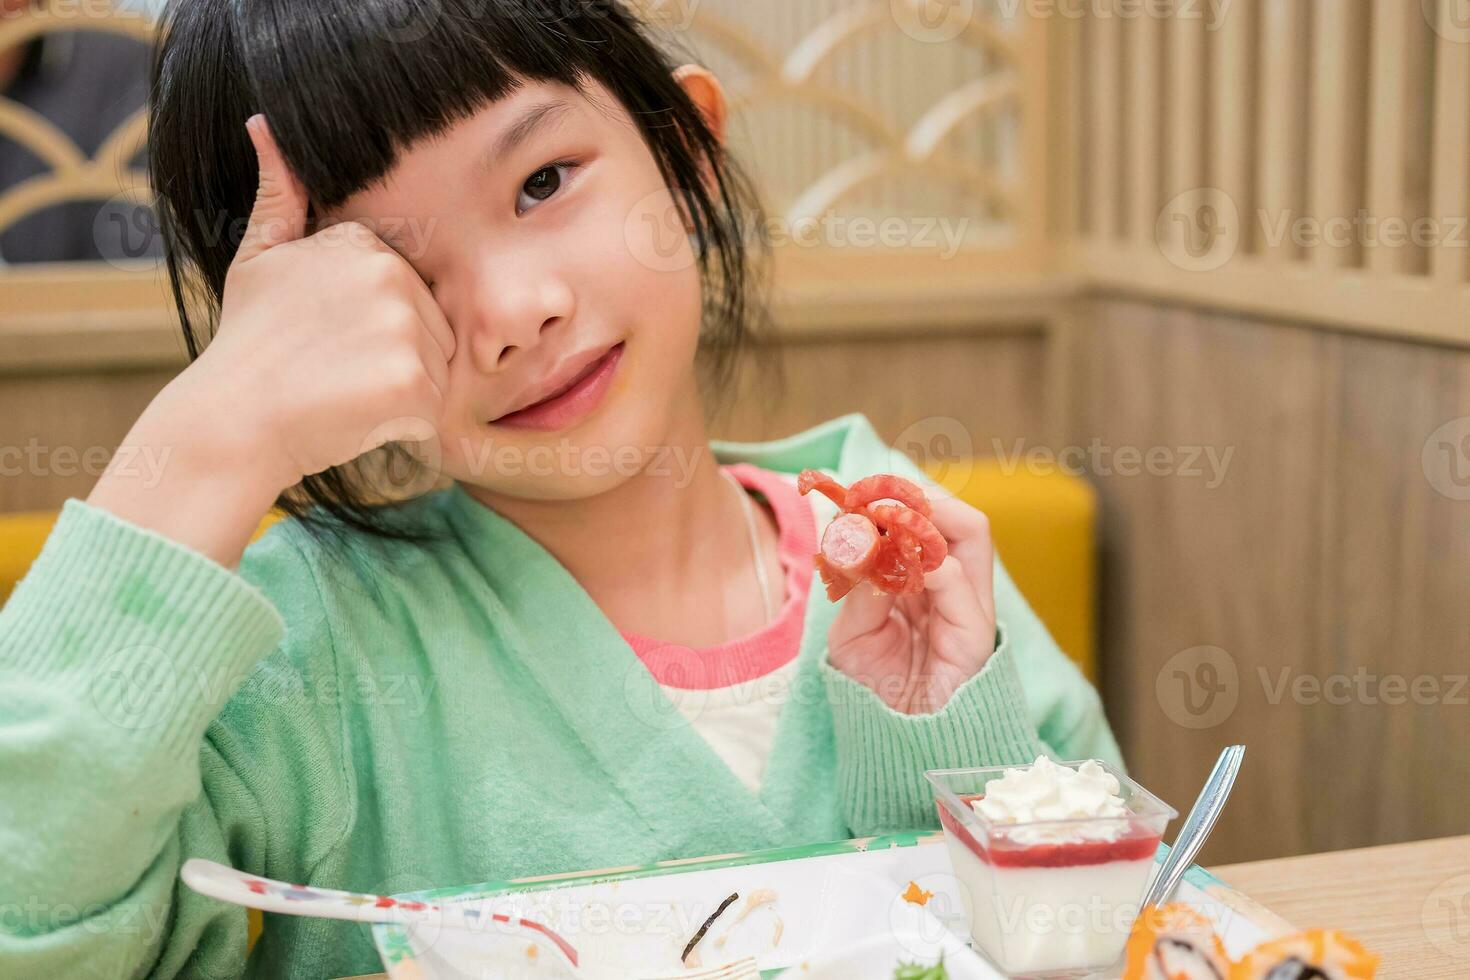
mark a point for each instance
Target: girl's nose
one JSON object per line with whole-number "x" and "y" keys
{"x": 511, "y": 311}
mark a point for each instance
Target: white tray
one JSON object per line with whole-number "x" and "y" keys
{"x": 840, "y": 906}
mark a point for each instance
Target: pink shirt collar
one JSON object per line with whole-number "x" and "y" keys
{"x": 773, "y": 645}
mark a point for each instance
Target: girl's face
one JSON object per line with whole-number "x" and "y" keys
{"x": 545, "y": 231}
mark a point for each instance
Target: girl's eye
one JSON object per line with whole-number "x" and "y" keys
{"x": 542, "y": 185}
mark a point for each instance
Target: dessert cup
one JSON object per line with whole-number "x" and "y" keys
{"x": 1049, "y": 897}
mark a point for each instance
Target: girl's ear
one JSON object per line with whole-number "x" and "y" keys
{"x": 707, "y": 94}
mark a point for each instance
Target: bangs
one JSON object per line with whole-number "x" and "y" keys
{"x": 347, "y": 84}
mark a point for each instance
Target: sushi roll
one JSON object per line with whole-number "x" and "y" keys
{"x": 1175, "y": 942}
{"x": 1319, "y": 954}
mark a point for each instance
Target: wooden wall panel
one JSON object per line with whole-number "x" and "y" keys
{"x": 54, "y": 429}
{"x": 1188, "y": 565}
{"x": 1395, "y": 569}
{"x": 1325, "y": 554}
{"x": 991, "y": 383}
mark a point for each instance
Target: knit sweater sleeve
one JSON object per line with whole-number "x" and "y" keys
{"x": 1028, "y": 699}
{"x": 119, "y": 653}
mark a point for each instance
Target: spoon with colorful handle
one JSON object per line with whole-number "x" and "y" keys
{"x": 252, "y": 891}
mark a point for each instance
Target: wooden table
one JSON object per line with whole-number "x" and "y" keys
{"x": 1408, "y": 902}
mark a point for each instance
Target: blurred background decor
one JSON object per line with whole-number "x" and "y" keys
{"x": 1209, "y": 258}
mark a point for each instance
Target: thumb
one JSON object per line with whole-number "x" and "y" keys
{"x": 864, "y": 610}
{"x": 279, "y": 215}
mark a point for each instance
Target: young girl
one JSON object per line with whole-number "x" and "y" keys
{"x": 601, "y": 645}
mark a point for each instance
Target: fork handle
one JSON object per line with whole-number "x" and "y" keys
{"x": 1197, "y": 827}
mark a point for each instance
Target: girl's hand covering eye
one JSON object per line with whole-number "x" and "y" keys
{"x": 329, "y": 345}
{"x": 914, "y": 651}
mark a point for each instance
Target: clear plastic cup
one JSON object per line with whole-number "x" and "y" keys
{"x": 1049, "y": 896}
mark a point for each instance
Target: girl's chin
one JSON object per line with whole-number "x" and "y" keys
{"x": 544, "y": 488}
{"x": 570, "y": 466}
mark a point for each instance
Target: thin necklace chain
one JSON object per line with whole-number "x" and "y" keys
{"x": 762, "y": 579}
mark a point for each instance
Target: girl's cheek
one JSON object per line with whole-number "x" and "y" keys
{"x": 626, "y": 270}
{"x": 651, "y": 239}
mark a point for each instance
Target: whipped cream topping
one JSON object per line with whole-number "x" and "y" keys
{"x": 1047, "y": 791}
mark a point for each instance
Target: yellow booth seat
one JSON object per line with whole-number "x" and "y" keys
{"x": 1044, "y": 527}
{"x": 1045, "y": 530}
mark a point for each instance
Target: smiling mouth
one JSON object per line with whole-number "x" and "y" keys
{"x": 571, "y": 401}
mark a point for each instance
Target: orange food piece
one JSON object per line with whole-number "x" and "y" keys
{"x": 1175, "y": 942}
{"x": 1332, "y": 954}
{"x": 915, "y": 895}
{"x": 1178, "y": 942}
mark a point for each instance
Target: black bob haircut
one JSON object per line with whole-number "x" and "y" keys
{"x": 348, "y": 84}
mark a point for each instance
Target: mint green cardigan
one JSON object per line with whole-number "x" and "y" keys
{"x": 413, "y": 718}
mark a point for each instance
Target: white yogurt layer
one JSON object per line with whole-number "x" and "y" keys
{"x": 1040, "y": 919}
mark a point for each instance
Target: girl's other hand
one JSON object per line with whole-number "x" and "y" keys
{"x": 329, "y": 346}
{"x": 914, "y": 651}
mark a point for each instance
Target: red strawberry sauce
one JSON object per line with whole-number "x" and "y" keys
{"x": 1138, "y": 842}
